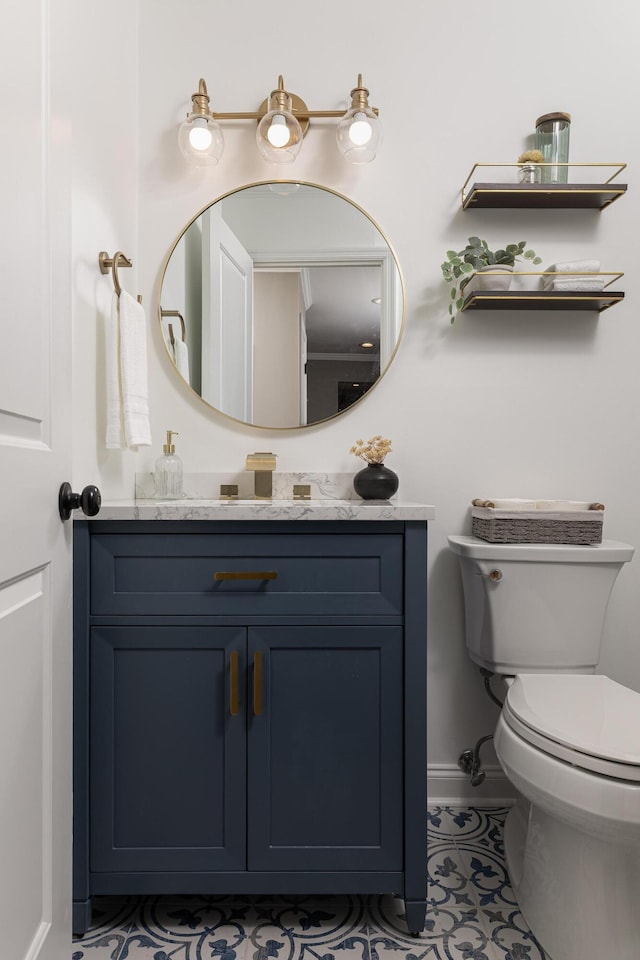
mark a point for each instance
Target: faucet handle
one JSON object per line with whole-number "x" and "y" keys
{"x": 261, "y": 460}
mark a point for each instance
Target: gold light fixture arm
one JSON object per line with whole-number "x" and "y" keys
{"x": 298, "y": 107}
{"x": 200, "y": 101}
{"x": 360, "y": 97}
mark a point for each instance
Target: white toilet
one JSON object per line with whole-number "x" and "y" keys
{"x": 568, "y": 739}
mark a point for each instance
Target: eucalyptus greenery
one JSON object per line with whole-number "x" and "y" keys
{"x": 460, "y": 266}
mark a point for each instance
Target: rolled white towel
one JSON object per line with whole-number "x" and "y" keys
{"x": 573, "y": 283}
{"x": 576, "y": 266}
{"x": 516, "y": 504}
{"x": 563, "y": 505}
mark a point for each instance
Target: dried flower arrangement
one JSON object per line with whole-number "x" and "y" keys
{"x": 373, "y": 451}
{"x": 531, "y": 156}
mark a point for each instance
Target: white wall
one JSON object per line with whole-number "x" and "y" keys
{"x": 276, "y": 341}
{"x": 104, "y": 217}
{"x": 503, "y": 404}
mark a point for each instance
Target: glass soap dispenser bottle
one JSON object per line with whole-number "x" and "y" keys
{"x": 168, "y": 475}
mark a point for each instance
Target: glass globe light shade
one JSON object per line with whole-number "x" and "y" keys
{"x": 359, "y": 135}
{"x": 279, "y": 135}
{"x": 200, "y": 140}
{"x": 284, "y": 188}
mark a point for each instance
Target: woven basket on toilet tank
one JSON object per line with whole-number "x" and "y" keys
{"x": 549, "y": 521}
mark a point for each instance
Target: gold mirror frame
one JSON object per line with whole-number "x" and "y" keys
{"x": 160, "y": 312}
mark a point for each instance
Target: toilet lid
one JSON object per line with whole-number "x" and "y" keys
{"x": 590, "y": 716}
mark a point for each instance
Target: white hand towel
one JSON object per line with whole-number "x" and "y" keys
{"x": 181, "y": 353}
{"x": 576, "y": 266}
{"x": 133, "y": 371}
{"x": 115, "y": 433}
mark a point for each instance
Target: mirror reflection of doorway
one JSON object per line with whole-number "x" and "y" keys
{"x": 349, "y": 392}
{"x": 325, "y": 317}
{"x": 324, "y": 376}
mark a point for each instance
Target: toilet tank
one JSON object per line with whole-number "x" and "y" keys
{"x": 536, "y": 608}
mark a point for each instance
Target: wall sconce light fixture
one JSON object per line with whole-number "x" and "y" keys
{"x": 359, "y": 133}
{"x": 279, "y": 133}
{"x": 283, "y": 120}
{"x": 200, "y": 137}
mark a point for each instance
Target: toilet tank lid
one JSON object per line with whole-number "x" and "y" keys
{"x": 590, "y": 713}
{"x": 609, "y": 551}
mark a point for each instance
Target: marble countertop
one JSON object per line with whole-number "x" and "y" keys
{"x": 263, "y": 510}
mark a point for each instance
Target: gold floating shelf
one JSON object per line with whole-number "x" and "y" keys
{"x": 515, "y": 195}
{"x": 590, "y": 300}
{"x": 541, "y": 300}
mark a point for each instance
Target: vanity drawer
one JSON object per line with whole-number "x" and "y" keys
{"x": 245, "y": 574}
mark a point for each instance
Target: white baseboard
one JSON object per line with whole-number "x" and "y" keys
{"x": 447, "y": 785}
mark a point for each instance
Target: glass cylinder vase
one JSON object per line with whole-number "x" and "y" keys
{"x": 552, "y": 139}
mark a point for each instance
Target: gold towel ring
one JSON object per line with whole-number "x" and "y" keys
{"x": 112, "y": 263}
{"x": 174, "y": 313}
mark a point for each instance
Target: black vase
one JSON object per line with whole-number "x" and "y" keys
{"x": 375, "y": 482}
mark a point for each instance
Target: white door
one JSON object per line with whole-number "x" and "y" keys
{"x": 227, "y": 319}
{"x": 35, "y": 457}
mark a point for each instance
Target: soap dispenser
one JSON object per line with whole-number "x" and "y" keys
{"x": 168, "y": 475}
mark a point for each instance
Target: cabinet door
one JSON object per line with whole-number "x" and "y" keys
{"x": 167, "y": 756}
{"x": 325, "y": 748}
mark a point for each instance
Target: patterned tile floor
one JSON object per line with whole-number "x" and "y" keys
{"x": 471, "y": 913}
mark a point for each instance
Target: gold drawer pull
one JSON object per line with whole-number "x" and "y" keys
{"x": 234, "y": 707}
{"x": 245, "y": 575}
{"x": 257, "y": 683}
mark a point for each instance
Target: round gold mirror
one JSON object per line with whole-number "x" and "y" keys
{"x": 281, "y": 304}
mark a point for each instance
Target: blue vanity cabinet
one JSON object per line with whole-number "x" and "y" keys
{"x": 324, "y": 765}
{"x": 249, "y": 709}
{"x": 166, "y": 769}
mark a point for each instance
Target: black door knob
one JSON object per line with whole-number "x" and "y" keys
{"x": 88, "y": 501}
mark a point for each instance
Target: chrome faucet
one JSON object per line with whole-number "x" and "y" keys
{"x": 263, "y": 464}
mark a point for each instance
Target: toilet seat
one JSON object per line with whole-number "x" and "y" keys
{"x": 589, "y": 721}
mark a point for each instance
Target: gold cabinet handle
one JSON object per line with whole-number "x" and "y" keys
{"x": 245, "y": 575}
{"x": 257, "y": 683}
{"x": 234, "y": 696}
